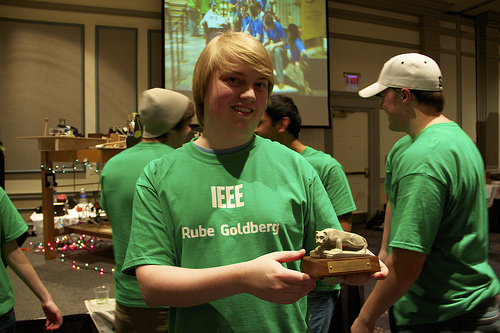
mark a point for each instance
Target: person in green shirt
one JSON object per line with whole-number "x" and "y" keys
{"x": 218, "y": 228}
{"x": 282, "y": 122}
{"x": 12, "y": 226}
{"x": 436, "y": 225}
{"x": 165, "y": 117}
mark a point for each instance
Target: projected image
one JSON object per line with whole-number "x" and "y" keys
{"x": 293, "y": 32}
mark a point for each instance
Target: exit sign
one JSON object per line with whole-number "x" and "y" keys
{"x": 351, "y": 79}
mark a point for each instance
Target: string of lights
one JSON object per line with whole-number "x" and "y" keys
{"x": 73, "y": 167}
{"x": 71, "y": 245}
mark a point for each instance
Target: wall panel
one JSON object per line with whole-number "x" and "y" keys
{"x": 116, "y": 75}
{"x": 155, "y": 58}
{"x": 41, "y": 77}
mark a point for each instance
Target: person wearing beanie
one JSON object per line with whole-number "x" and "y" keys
{"x": 435, "y": 240}
{"x": 165, "y": 116}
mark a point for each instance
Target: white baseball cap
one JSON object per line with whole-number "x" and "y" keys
{"x": 160, "y": 110}
{"x": 411, "y": 70}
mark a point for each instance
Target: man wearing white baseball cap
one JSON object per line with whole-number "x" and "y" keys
{"x": 436, "y": 227}
{"x": 410, "y": 70}
{"x": 165, "y": 116}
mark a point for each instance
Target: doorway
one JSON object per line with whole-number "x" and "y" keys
{"x": 354, "y": 140}
{"x": 350, "y": 148}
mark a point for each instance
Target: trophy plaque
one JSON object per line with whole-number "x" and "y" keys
{"x": 339, "y": 253}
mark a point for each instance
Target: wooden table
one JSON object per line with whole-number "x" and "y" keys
{"x": 67, "y": 149}
{"x": 98, "y": 230}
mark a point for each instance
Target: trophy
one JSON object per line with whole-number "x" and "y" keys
{"x": 339, "y": 253}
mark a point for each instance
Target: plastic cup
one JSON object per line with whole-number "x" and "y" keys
{"x": 101, "y": 294}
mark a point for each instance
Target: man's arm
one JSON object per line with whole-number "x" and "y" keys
{"x": 404, "y": 268}
{"x": 345, "y": 221}
{"x": 382, "y": 255}
{"x": 264, "y": 277}
{"x": 16, "y": 260}
{"x": 271, "y": 44}
{"x": 280, "y": 43}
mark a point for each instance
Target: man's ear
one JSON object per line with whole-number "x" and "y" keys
{"x": 283, "y": 124}
{"x": 405, "y": 95}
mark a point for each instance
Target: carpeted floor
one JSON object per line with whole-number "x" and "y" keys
{"x": 374, "y": 239}
{"x": 71, "y": 278}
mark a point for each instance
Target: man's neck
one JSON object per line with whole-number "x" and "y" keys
{"x": 425, "y": 119}
{"x": 217, "y": 142}
{"x": 297, "y": 146}
{"x": 289, "y": 140}
{"x": 150, "y": 140}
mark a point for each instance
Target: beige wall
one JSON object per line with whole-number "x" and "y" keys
{"x": 361, "y": 40}
{"x": 128, "y": 14}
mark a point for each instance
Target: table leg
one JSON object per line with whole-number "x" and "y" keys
{"x": 47, "y": 209}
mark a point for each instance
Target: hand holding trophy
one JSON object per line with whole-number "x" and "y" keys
{"x": 339, "y": 253}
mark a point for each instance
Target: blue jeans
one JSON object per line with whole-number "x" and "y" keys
{"x": 483, "y": 318}
{"x": 277, "y": 56}
{"x": 193, "y": 21}
{"x": 321, "y": 307}
{"x": 8, "y": 322}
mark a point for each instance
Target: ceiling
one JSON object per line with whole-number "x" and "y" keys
{"x": 473, "y": 7}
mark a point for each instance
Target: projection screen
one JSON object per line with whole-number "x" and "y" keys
{"x": 301, "y": 66}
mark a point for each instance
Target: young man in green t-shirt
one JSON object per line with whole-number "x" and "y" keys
{"x": 437, "y": 221}
{"x": 165, "y": 116}
{"x": 218, "y": 227}
{"x": 281, "y": 122}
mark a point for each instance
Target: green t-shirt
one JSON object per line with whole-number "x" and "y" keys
{"x": 205, "y": 7}
{"x": 118, "y": 179}
{"x": 193, "y": 4}
{"x": 333, "y": 178}
{"x": 438, "y": 202}
{"x": 12, "y": 226}
{"x": 197, "y": 210}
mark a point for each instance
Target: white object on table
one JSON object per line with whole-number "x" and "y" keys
{"x": 492, "y": 191}
{"x": 103, "y": 315}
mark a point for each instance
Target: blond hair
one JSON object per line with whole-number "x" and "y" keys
{"x": 226, "y": 51}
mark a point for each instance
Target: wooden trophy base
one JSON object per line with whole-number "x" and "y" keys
{"x": 325, "y": 268}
